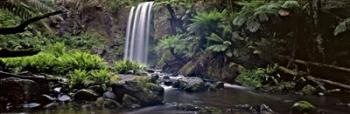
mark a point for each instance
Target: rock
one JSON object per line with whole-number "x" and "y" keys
{"x": 154, "y": 78}
{"x": 46, "y": 99}
{"x": 308, "y": 90}
{"x": 145, "y": 93}
{"x": 260, "y": 109}
{"x": 166, "y": 78}
{"x": 150, "y": 70}
{"x": 131, "y": 102}
{"x": 303, "y": 107}
{"x": 85, "y": 95}
{"x": 57, "y": 89}
{"x": 109, "y": 95}
{"x": 31, "y": 105}
{"x": 192, "y": 84}
{"x": 219, "y": 85}
{"x": 187, "y": 107}
{"x": 211, "y": 110}
{"x": 64, "y": 98}
{"x": 16, "y": 90}
{"x": 97, "y": 88}
{"x": 107, "y": 103}
{"x": 52, "y": 105}
{"x": 168, "y": 82}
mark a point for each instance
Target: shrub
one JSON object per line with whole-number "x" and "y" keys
{"x": 256, "y": 77}
{"x": 56, "y": 60}
{"x": 78, "y": 78}
{"x": 125, "y": 66}
{"x": 82, "y": 78}
{"x": 101, "y": 76}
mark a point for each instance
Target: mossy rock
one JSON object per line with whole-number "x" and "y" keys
{"x": 303, "y": 107}
{"x": 308, "y": 90}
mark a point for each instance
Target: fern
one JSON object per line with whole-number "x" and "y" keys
{"x": 342, "y": 27}
{"x": 207, "y": 22}
{"x": 254, "y": 13}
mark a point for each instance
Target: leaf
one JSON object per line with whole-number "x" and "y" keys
{"x": 229, "y": 54}
{"x": 342, "y": 27}
{"x": 216, "y": 38}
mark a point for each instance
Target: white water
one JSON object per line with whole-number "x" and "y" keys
{"x": 138, "y": 33}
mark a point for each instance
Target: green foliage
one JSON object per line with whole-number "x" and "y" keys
{"x": 56, "y": 60}
{"x": 101, "y": 76}
{"x": 219, "y": 45}
{"x": 125, "y": 66}
{"x": 78, "y": 78}
{"x": 179, "y": 44}
{"x": 342, "y": 27}
{"x": 256, "y": 77}
{"x": 187, "y": 4}
{"x": 207, "y": 22}
{"x": 25, "y": 8}
{"x": 254, "y": 13}
{"x": 81, "y": 78}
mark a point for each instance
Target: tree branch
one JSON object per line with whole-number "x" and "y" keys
{"x": 21, "y": 28}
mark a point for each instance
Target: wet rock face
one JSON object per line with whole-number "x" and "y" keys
{"x": 16, "y": 91}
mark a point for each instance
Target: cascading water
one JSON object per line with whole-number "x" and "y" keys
{"x": 138, "y": 33}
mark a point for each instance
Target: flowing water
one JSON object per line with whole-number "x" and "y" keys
{"x": 231, "y": 95}
{"x": 138, "y": 33}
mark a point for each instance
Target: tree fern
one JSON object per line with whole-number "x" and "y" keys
{"x": 207, "y": 22}
{"x": 25, "y": 8}
{"x": 254, "y": 13}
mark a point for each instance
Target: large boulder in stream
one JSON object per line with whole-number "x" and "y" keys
{"x": 191, "y": 84}
{"x": 16, "y": 90}
{"x": 139, "y": 92}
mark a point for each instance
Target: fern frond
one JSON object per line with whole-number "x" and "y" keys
{"x": 342, "y": 27}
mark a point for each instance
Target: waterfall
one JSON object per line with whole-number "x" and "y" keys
{"x": 138, "y": 33}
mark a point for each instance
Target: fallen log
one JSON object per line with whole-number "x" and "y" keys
{"x": 317, "y": 64}
{"x": 34, "y": 78}
{"x": 329, "y": 82}
{"x": 318, "y": 81}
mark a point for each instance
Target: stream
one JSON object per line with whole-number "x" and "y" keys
{"x": 224, "y": 99}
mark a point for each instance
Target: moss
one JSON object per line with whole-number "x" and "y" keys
{"x": 303, "y": 107}
{"x": 308, "y": 90}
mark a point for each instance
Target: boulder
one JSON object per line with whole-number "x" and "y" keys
{"x": 144, "y": 93}
{"x": 63, "y": 98}
{"x": 97, "y": 88}
{"x": 107, "y": 103}
{"x": 303, "y": 107}
{"x": 110, "y": 95}
{"x": 191, "y": 84}
{"x": 131, "y": 102}
{"x": 187, "y": 107}
{"x": 85, "y": 95}
{"x": 46, "y": 99}
{"x": 16, "y": 90}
